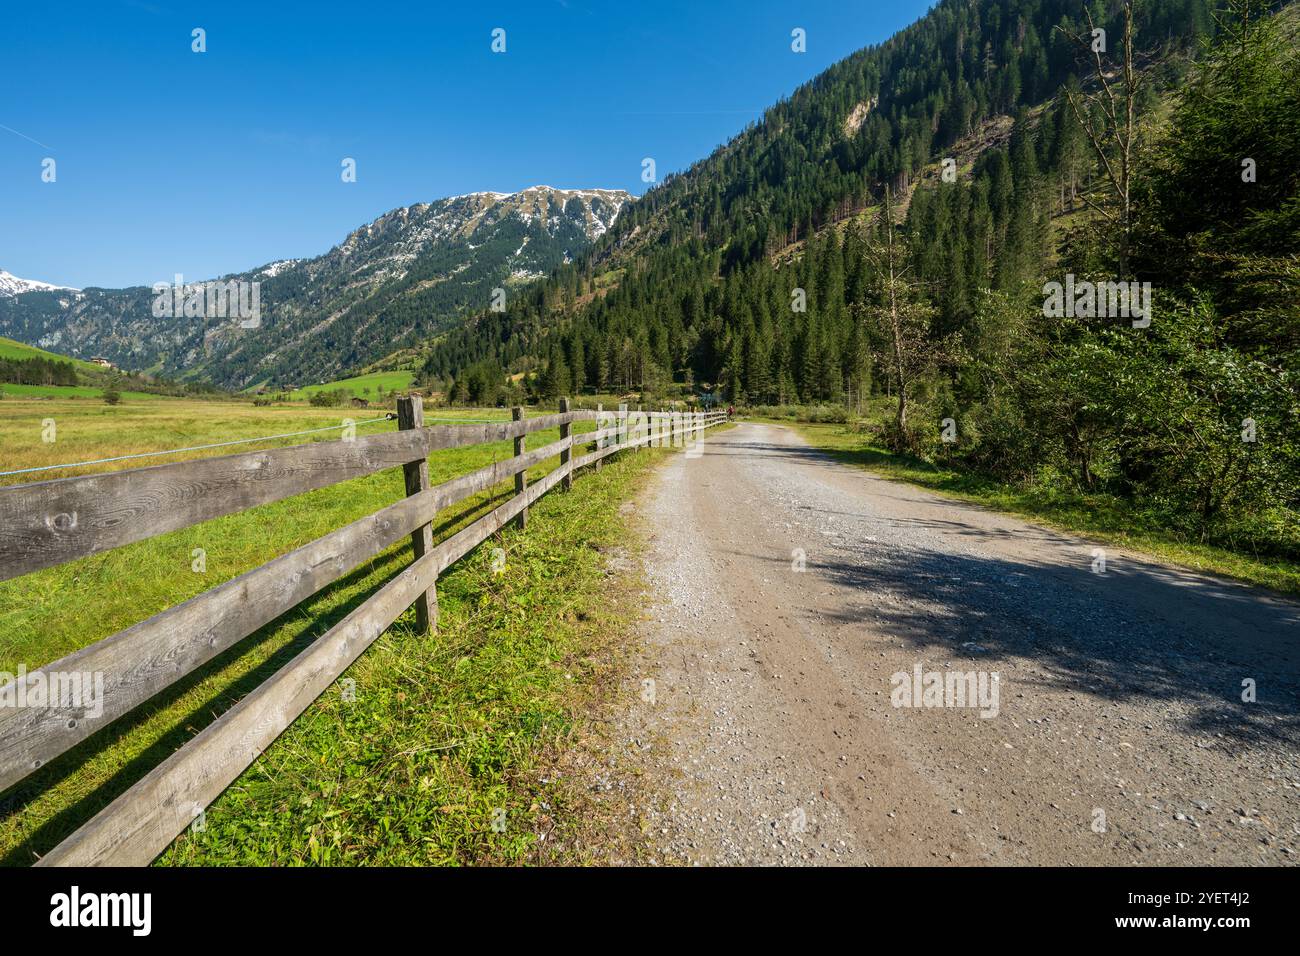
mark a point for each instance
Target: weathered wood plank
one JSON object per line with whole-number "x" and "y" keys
{"x": 565, "y": 432}
{"x": 51, "y": 522}
{"x": 140, "y": 823}
{"x": 465, "y": 540}
{"x": 47, "y": 523}
{"x": 521, "y": 478}
{"x": 144, "y": 659}
{"x": 410, "y": 414}
{"x": 143, "y": 821}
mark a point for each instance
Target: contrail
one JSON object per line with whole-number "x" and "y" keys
{"x": 25, "y": 136}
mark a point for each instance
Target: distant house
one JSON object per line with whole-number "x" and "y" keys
{"x": 102, "y": 363}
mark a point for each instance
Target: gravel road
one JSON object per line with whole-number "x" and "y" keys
{"x": 788, "y": 590}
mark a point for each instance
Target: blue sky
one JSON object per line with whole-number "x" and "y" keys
{"x": 173, "y": 161}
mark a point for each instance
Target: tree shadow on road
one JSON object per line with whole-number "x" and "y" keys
{"x": 1132, "y": 634}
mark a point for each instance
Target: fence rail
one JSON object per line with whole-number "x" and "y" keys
{"x": 52, "y": 522}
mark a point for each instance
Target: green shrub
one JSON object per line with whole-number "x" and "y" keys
{"x": 819, "y": 414}
{"x": 332, "y": 398}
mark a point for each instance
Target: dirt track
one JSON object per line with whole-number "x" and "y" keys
{"x": 769, "y": 734}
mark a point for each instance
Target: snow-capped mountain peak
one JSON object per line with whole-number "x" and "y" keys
{"x": 11, "y": 285}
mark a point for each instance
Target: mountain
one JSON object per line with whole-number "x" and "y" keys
{"x": 395, "y": 281}
{"x": 685, "y": 284}
{"x": 11, "y": 285}
{"x": 885, "y": 243}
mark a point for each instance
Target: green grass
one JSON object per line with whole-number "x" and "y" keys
{"x": 1107, "y": 519}
{"x": 444, "y": 729}
{"x": 93, "y": 392}
{"x": 361, "y": 386}
{"x": 86, "y": 431}
{"x": 9, "y": 349}
{"x": 95, "y": 378}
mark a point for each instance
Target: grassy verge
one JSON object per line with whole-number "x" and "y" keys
{"x": 1106, "y": 519}
{"x": 443, "y": 730}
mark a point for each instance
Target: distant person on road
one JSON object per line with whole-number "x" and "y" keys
{"x": 731, "y": 410}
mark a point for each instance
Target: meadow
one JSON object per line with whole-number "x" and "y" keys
{"x": 87, "y": 430}
{"x": 361, "y": 386}
{"x": 94, "y": 393}
{"x": 445, "y": 729}
{"x": 10, "y": 349}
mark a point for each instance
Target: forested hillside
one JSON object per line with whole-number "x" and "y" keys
{"x": 876, "y": 120}
{"x": 770, "y": 269}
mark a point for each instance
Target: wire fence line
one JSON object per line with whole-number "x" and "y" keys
{"x": 226, "y": 444}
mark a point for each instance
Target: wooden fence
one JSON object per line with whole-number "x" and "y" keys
{"x": 52, "y": 522}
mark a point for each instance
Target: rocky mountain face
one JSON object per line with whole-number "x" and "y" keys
{"x": 393, "y": 282}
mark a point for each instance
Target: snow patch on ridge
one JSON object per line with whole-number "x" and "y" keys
{"x": 11, "y": 285}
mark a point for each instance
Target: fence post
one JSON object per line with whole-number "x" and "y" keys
{"x": 521, "y": 479}
{"x": 601, "y": 443}
{"x": 410, "y": 414}
{"x": 566, "y": 456}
